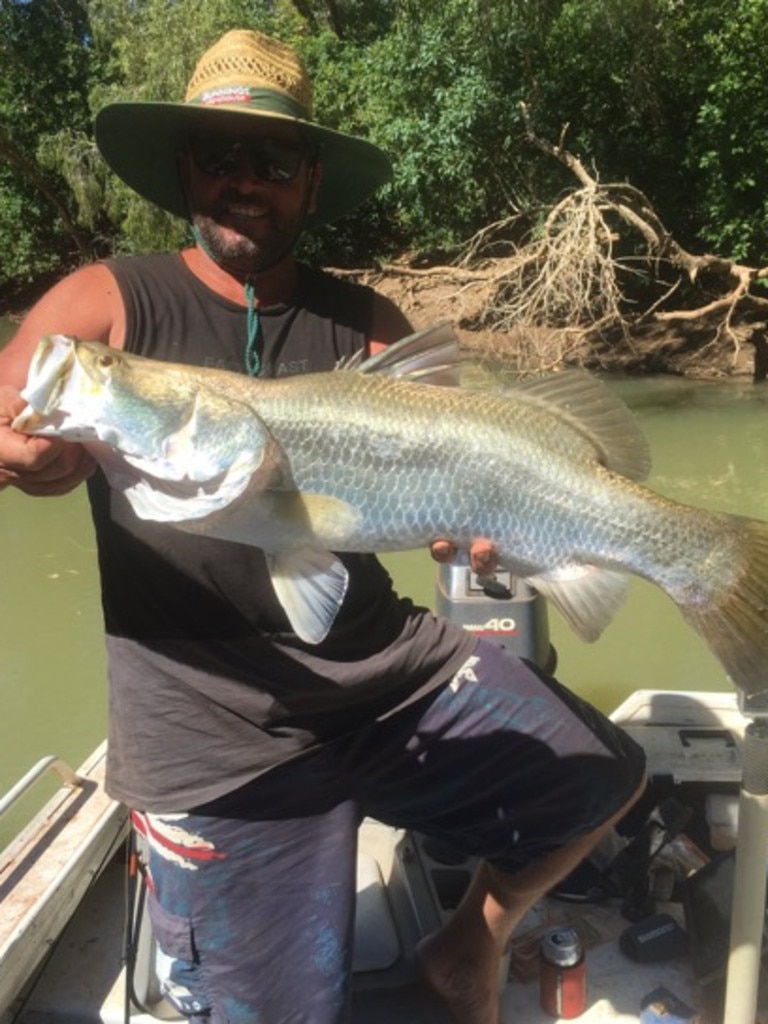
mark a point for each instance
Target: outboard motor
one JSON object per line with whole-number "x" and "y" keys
{"x": 501, "y": 608}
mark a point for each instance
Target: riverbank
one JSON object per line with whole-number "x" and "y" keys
{"x": 716, "y": 345}
{"x": 706, "y": 347}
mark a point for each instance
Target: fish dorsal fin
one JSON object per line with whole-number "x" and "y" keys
{"x": 311, "y": 586}
{"x": 586, "y": 596}
{"x": 430, "y": 356}
{"x": 589, "y": 407}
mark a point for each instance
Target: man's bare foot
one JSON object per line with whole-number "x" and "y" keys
{"x": 468, "y": 986}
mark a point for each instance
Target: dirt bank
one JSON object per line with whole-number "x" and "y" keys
{"x": 697, "y": 348}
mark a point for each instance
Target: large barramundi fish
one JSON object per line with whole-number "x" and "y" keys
{"x": 375, "y": 457}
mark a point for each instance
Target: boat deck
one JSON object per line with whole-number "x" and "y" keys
{"x": 84, "y": 980}
{"x": 407, "y": 886}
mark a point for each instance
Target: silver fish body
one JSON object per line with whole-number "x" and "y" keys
{"x": 377, "y": 458}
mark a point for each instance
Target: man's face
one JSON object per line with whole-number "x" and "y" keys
{"x": 249, "y": 194}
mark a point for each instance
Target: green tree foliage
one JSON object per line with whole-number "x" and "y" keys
{"x": 617, "y": 73}
{"x": 669, "y": 95}
{"x": 728, "y": 146}
{"x": 433, "y": 94}
{"x": 673, "y": 97}
{"x": 46, "y": 62}
{"x": 427, "y": 86}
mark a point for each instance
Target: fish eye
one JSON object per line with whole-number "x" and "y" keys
{"x": 106, "y": 360}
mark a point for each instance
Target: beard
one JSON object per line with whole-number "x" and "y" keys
{"x": 239, "y": 253}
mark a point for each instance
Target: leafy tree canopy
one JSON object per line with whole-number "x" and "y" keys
{"x": 670, "y": 96}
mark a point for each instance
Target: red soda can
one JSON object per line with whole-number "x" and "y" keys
{"x": 563, "y": 974}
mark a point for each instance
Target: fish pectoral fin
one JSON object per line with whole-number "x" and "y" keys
{"x": 310, "y": 585}
{"x": 586, "y": 597}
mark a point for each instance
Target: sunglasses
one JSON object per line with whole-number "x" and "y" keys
{"x": 273, "y": 160}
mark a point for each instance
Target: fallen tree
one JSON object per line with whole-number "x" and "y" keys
{"x": 599, "y": 283}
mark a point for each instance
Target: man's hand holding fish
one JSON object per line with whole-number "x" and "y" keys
{"x": 37, "y": 465}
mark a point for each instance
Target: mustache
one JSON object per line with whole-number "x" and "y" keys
{"x": 234, "y": 195}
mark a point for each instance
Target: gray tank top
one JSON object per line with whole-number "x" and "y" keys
{"x": 209, "y": 687}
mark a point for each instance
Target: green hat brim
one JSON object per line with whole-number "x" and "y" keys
{"x": 141, "y": 142}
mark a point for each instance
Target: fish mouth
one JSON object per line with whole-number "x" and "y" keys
{"x": 49, "y": 370}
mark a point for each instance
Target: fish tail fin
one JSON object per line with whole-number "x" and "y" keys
{"x": 735, "y": 623}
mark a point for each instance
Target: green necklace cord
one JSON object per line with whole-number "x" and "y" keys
{"x": 253, "y": 323}
{"x": 252, "y": 359}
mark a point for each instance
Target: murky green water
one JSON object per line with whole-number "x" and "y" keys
{"x": 710, "y": 445}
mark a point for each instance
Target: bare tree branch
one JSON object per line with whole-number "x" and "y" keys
{"x": 602, "y": 283}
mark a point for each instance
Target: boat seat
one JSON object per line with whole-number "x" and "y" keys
{"x": 377, "y": 946}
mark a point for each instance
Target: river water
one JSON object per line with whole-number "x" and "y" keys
{"x": 710, "y": 447}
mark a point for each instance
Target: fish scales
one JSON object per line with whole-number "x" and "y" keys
{"x": 485, "y": 470}
{"x": 384, "y": 447}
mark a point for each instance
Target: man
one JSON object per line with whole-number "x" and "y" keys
{"x": 249, "y": 756}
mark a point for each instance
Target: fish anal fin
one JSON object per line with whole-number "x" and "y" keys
{"x": 586, "y": 596}
{"x": 311, "y": 586}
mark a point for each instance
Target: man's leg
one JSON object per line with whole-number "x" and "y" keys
{"x": 461, "y": 962}
{"x": 511, "y": 768}
{"x": 258, "y": 916}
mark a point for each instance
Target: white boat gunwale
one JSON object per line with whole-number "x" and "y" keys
{"x": 50, "y": 865}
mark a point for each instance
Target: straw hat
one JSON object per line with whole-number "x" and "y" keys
{"x": 244, "y": 75}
